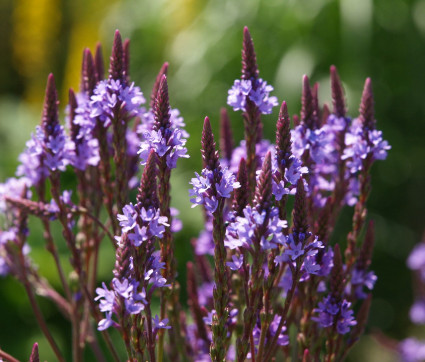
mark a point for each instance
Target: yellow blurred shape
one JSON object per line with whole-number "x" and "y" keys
{"x": 36, "y": 25}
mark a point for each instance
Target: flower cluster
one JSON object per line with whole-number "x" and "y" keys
{"x": 332, "y": 313}
{"x": 256, "y": 91}
{"x": 265, "y": 264}
{"x": 204, "y": 193}
{"x": 241, "y": 232}
{"x": 153, "y": 224}
{"x": 171, "y": 145}
{"x": 129, "y": 293}
{"x": 44, "y": 154}
{"x": 360, "y": 143}
{"x": 110, "y": 94}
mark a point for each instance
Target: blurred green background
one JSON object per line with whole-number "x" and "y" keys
{"x": 381, "y": 39}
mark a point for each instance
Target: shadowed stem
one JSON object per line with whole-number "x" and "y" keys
{"x": 272, "y": 347}
{"x": 37, "y": 312}
{"x": 7, "y": 356}
{"x": 251, "y": 122}
{"x": 97, "y": 317}
{"x": 84, "y": 211}
{"x": 166, "y": 247}
{"x": 221, "y": 292}
{"x": 50, "y": 246}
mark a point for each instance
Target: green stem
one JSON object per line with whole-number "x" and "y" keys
{"x": 37, "y": 312}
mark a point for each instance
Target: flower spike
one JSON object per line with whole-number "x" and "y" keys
{"x": 226, "y": 137}
{"x": 367, "y": 113}
{"x": 209, "y": 153}
{"x": 75, "y": 128}
{"x": 116, "y": 65}
{"x": 366, "y": 251}
{"x": 163, "y": 71}
{"x": 147, "y": 195}
{"x": 99, "y": 63}
{"x": 283, "y": 138}
{"x": 126, "y": 60}
{"x": 337, "y": 94}
{"x": 249, "y": 59}
{"x": 34, "y": 353}
{"x": 337, "y": 276}
{"x": 88, "y": 74}
{"x": 50, "y": 118}
{"x": 240, "y": 198}
{"x": 308, "y": 116}
{"x": 161, "y": 108}
{"x": 299, "y": 214}
{"x": 263, "y": 191}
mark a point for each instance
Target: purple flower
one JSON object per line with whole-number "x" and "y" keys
{"x": 128, "y": 220}
{"x": 13, "y": 187}
{"x": 417, "y": 312}
{"x": 123, "y": 288}
{"x": 258, "y": 94}
{"x": 209, "y": 318}
{"x": 279, "y": 189}
{"x": 236, "y": 262}
{"x": 294, "y": 171}
{"x": 310, "y": 265}
{"x": 238, "y": 94}
{"x": 8, "y": 235}
{"x": 346, "y": 319}
{"x": 156, "y": 279}
{"x": 160, "y": 324}
{"x": 176, "y": 224}
{"x": 205, "y": 243}
{"x": 132, "y": 307}
{"x": 412, "y": 350}
{"x": 106, "y": 96}
{"x": 153, "y": 225}
{"x": 380, "y": 146}
{"x": 327, "y": 262}
{"x": 205, "y": 293}
{"x": 41, "y": 157}
{"x": 139, "y": 235}
{"x": 106, "y": 297}
{"x": 105, "y": 323}
{"x": 360, "y": 279}
{"x": 4, "y": 269}
{"x": 335, "y": 314}
{"x": 416, "y": 259}
{"x": 240, "y": 233}
{"x": 294, "y": 250}
{"x": 86, "y": 154}
{"x": 227, "y": 184}
{"x": 202, "y": 192}
{"x": 169, "y": 144}
{"x": 283, "y": 339}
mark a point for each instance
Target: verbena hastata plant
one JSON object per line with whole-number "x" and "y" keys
{"x": 265, "y": 281}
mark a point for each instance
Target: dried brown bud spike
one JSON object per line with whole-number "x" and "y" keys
{"x": 163, "y": 71}
{"x": 116, "y": 65}
{"x": 249, "y": 59}
{"x": 209, "y": 154}
{"x": 50, "y": 116}
{"x": 88, "y": 73}
{"x": 161, "y": 108}
{"x": 99, "y": 63}
{"x": 147, "y": 195}
{"x": 338, "y": 98}
{"x": 226, "y": 137}
{"x": 367, "y": 112}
